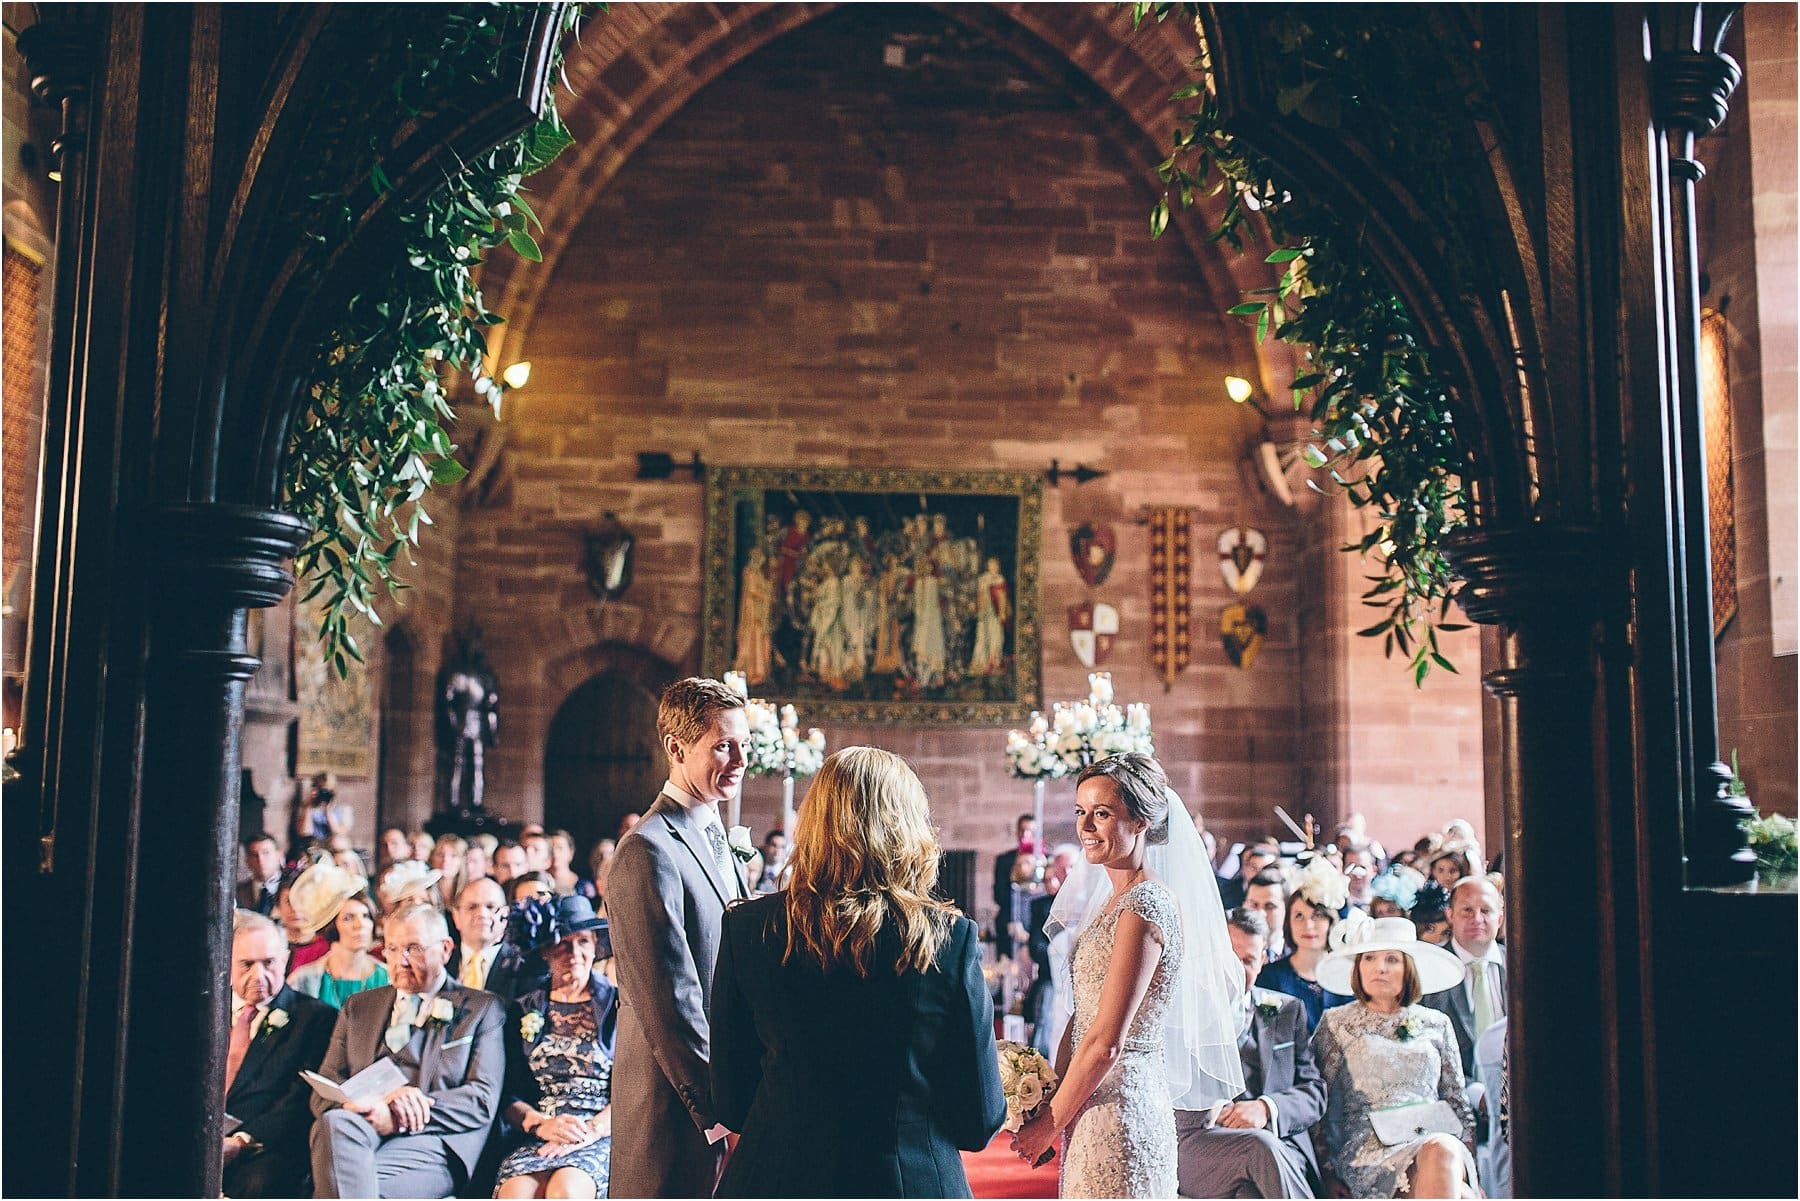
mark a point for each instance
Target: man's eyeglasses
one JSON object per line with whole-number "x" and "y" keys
{"x": 410, "y": 952}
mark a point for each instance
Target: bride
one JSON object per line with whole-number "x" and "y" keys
{"x": 1156, "y": 993}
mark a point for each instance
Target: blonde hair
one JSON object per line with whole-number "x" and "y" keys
{"x": 864, "y": 855}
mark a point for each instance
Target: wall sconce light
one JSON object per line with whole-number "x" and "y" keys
{"x": 518, "y": 375}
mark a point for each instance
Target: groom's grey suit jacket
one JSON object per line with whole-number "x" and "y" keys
{"x": 664, "y": 905}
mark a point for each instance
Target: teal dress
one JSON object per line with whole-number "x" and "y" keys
{"x": 315, "y": 981}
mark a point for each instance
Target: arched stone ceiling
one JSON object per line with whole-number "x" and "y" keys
{"x": 639, "y": 63}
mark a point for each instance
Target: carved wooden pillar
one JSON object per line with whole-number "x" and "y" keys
{"x": 1544, "y": 586}
{"x": 219, "y": 560}
{"x": 1692, "y": 81}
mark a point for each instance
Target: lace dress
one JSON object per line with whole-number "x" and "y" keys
{"x": 574, "y": 1076}
{"x": 1122, "y": 1143}
{"x": 1367, "y": 1066}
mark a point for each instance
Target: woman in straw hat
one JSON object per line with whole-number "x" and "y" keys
{"x": 1396, "y": 1122}
{"x": 329, "y": 899}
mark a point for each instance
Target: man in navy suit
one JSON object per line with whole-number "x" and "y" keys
{"x": 482, "y": 959}
{"x": 1261, "y": 1144}
{"x": 1480, "y": 1000}
{"x": 262, "y": 859}
{"x": 275, "y": 1032}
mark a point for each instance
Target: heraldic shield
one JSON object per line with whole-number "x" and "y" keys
{"x": 1093, "y": 547}
{"x": 1241, "y": 554}
{"x": 1092, "y": 628}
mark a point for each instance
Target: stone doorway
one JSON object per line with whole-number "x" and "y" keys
{"x": 602, "y": 759}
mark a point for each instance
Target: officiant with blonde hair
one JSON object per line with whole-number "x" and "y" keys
{"x": 852, "y": 1032}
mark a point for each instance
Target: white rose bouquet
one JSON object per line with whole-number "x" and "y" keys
{"x": 1028, "y": 1082}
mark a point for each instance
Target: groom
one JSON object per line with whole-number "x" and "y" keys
{"x": 670, "y": 881}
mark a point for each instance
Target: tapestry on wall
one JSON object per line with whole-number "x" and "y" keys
{"x": 876, "y": 595}
{"x": 336, "y": 713}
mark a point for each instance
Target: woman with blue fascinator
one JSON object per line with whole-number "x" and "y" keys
{"x": 559, "y": 1084}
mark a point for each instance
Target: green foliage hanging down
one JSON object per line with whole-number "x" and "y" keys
{"x": 1382, "y": 420}
{"x": 373, "y": 435}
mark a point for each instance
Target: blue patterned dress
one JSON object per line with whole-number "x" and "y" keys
{"x": 573, "y": 1071}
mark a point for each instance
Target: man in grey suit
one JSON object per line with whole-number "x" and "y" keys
{"x": 1480, "y": 1000}
{"x": 670, "y": 881}
{"x": 1261, "y": 1145}
{"x": 423, "y": 1138}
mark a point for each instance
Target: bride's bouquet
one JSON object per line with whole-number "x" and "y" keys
{"x": 1028, "y": 1082}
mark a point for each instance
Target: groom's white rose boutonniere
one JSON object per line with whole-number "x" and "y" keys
{"x": 739, "y": 842}
{"x": 442, "y": 1011}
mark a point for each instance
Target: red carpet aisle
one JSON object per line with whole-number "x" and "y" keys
{"x": 997, "y": 1172}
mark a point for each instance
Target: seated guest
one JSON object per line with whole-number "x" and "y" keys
{"x": 1477, "y": 999}
{"x": 1232, "y": 890}
{"x": 852, "y": 1033}
{"x": 560, "y": 1090}
{"x": 407, "y": 880}
{"x": 1431, "y": 914}
{"x": 448, "y": 854}
{"x": 262, "y": 859}
{"x": 1395, "y": 891}
{"x": 537, "y": 848}
{"x": 509, "y": 861}
{"x": 305, "y": 943}
{"x": 395, "y": 847}
{"x": 1449, "y": 866}
{"x": 1261, "y": 1144}
{"x": 275, "y": 1033}
{"x": 1267, "y": 894}
{"x": 568, "y": 881}
{"x": 772, "y": 865}
{"x": 1311, "y": 913}
{"x": 479, "y": 857}
{"x": 348, "y": 920}
{"x": 483, "y": 959}
{"x": 1359, "y": 869}
{"x": 599, "y": 864}
{"x": 532, "y": 885}
{"x": 1385, "y": 1051}
{"x": 423, "y": 1139}
{"x": 422, "y": 843}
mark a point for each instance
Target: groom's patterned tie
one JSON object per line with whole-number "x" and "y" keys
{"x": 722, "y": 856}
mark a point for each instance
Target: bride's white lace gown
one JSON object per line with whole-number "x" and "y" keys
{"x": 1122, "y": 1143}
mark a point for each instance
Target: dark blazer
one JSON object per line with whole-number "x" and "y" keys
{"x": 512, "y": 974}
{"x": 461, "y": 1066}
{"x": 257, "y": 899}
{"x": 1454, "y": 1002}
{"x": 1278, "y": 1064}
{"x": 850, "y": 1087}
{"x": 521, "y": 1085}
{"x": 269, "y": 1099}
{"x": 1003, "y": 905}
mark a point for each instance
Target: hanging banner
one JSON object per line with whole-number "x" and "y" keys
{"x": 1171, "y": 568}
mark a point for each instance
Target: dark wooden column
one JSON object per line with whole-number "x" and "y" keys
{"x": 1543, "y": 586}
{"x": 1692, "y": 80}
{"x": 220, "y": 560}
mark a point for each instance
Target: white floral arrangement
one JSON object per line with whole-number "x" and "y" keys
{"x": 530, "y": 1025}
{"x": 1408, "y": 1028}
{"x": 738, "y": 840}
{"x": 1323, "y": 885}
{"x": 277, "y": 1018}
{"x": 1075, "y": 735}
{"x": 1026, "y": 1079}
{"x": 777, "y": 748}
{"x": 442, "y": 1012}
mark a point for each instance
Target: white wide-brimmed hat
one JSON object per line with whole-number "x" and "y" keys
{"x": 320, "y": 891}
{"x": 1438, "y": 969}
{"x": 407, "y": 878}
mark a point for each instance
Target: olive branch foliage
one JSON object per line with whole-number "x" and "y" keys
{"x": 372, "y": 437}
{"x": 1382, "y": 427}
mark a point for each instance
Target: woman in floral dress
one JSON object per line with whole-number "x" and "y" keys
{"x": 560, "y": 1088}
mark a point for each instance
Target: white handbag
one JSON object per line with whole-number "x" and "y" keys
{"x": 1408, "y": 1123}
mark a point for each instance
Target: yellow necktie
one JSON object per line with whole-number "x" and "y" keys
{"x": 471, "y": 976}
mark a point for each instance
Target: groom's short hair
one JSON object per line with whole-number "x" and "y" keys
{"x": 688, "y": 706}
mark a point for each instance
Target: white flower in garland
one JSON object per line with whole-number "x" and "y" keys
{"x": 1078, "y": 734}
{"x": 776, "y": 744}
